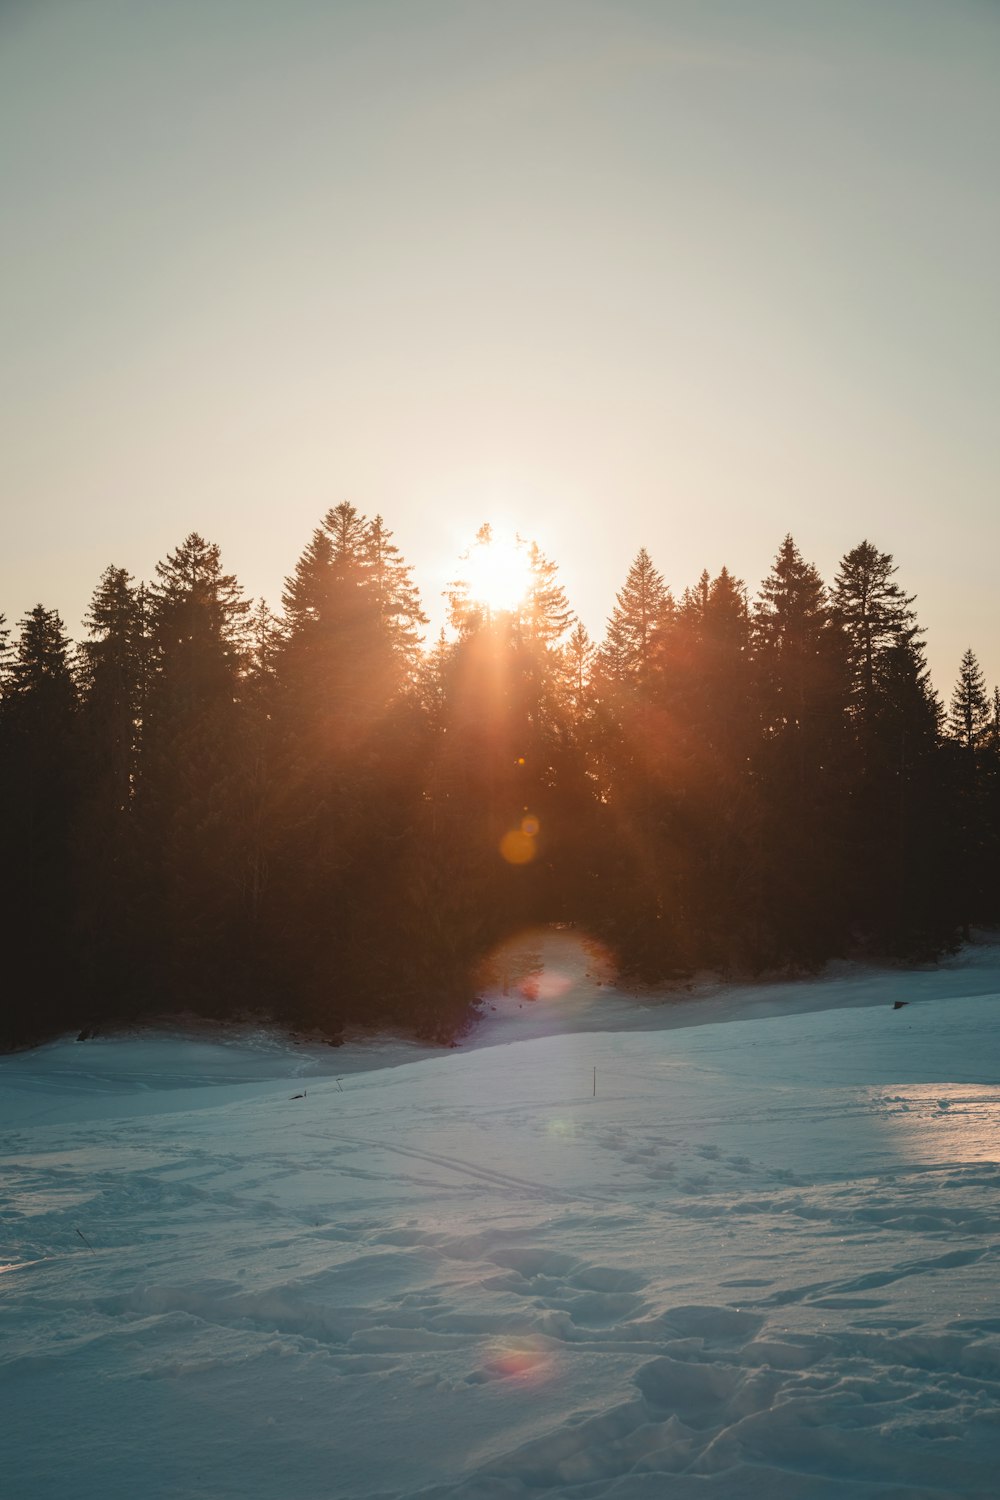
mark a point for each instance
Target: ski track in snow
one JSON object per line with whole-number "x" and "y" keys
{"x": 762, "y": 1261}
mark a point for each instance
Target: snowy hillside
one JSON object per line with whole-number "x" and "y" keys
{"x": 760, "y": 1262}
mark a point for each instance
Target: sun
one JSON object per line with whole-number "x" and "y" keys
{"x": 497, "y": 572}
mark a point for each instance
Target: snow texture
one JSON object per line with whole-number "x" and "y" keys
{"x": 760, "y": 1262}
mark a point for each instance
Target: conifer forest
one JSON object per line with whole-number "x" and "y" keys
{"x": 315, "y": 817}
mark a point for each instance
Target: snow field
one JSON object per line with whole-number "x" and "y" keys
{"x": 761, "y": 1262}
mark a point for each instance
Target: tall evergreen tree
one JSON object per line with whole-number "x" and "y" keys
{"x": 110, "y": 871}
{"x": 397, "y": 600}
{"x": 801, "y": 689}
{"x": 635, "y": 751}
{"x": 191, "y": 783}
{"x": 545, "y": 614}
{"x": 197, "y": 625}
{"x": 352, "y": 626}
{"x": 305, "y": 591}
{"x": 792, "y": 632}
{"x": 39, "y": 783}
{"x": 112, "y": 671}
{"x": 704, "y": 691}
{"x": 346, "y": 767}
{"x": 970, "y": 707}
{"x": 874, "y": 614}
{"x": 900, "y": 832}
{"x": 974, "y": 809}
{"x": 643, "y": 607}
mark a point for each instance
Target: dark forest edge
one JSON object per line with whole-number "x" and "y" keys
{"x": 209, "y": 808}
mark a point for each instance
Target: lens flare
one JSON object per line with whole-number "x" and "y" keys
{"x": 557, "y": 963}
{"x": 518, "y": 844}
{"x": 520, "y": 1359}
{"x": 517, "y": 847}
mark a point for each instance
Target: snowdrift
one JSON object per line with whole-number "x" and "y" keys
{"x": 744, "y": 1257}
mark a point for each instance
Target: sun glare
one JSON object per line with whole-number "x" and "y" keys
{"x": 497, "y": 572}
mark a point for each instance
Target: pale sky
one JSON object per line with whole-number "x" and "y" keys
{"x": 686, "y": 274}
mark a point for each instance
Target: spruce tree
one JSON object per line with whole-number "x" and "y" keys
{"x": 634, "y": 752}
{"x": 111, "y": 873}
{"x": 192, "y": 785}
{"x": 799, "y": 768}
{"x": 969, "y": 717}
{"x": 900, "y": 831}
{"x": 708, "y": 725}
{"x": 792, "y": 630}
{"x": 643, "y": 608}
{"x": 39, "y": 787}
{"x": 974, "y": 812}
{"x": 304, "y": 594}
{"x": 545, "y": 614}
{"x": 874, "y": 613}
{"x": 396, "y": 598}
{"x": 112, "y": 673}
{"x": 346, "y": 766}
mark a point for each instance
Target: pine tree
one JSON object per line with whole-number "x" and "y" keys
{"x": 197, "y": 624}
{"x": 112, "y": 671}
{"x": 792, "y": 631}
{"x": 708, "y": 725}
{"x": 40, "y": 677}
{"x": 799, "y": 760}
{"x": 192, "y": 778}
{"x": 352, "y": 625}
{"x": 969, "y": 718}
{"x": 874, "y": 614}
{"x": 397, "y": 601}
{"x": 974, "y": 808}
{"x": 304, "y": 594}
{"x": 347, "y": 723}
{"x": 39, "y": 785}
{"x": 899, "y": 832}
{"x": 643, "y": 608}
{"x": 109, "y": 869}
{"x": 545, "y": 614}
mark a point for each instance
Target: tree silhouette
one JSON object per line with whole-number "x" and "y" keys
{"x": 39, "y": 787}
{"x": 970, "y": 707}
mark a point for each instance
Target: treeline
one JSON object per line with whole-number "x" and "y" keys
{"x": 207, "y": 807}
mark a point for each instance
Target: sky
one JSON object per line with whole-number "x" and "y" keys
{"x": 687, "y": 274}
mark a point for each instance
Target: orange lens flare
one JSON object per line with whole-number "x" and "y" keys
{"x": 518, "y": 844}
{"x": 517, "y": 847}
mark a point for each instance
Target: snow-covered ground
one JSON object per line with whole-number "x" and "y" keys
{"x": 760, "y": 1262}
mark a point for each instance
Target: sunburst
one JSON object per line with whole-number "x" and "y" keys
{"x": 497, "y": 572}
